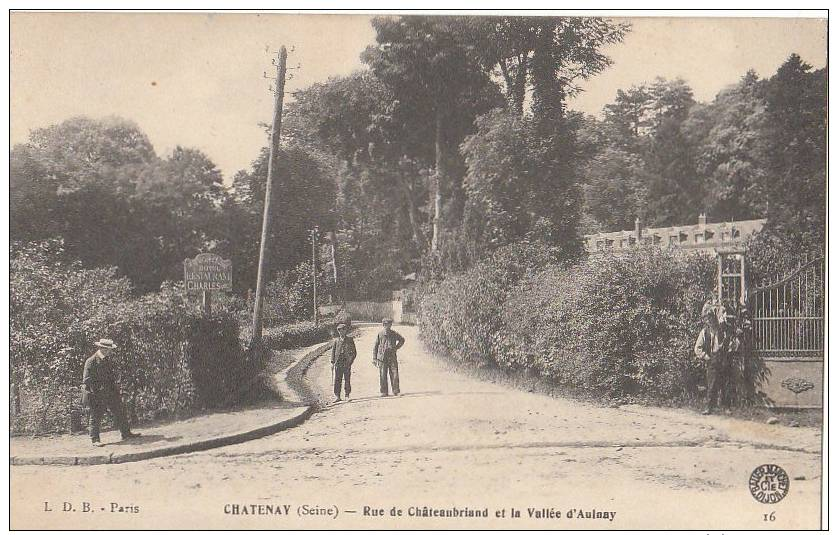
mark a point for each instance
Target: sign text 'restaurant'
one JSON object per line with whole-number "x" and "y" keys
{"x": 208, "y": 272}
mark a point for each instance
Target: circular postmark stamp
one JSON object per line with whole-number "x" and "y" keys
{"x": 769, "y": 483}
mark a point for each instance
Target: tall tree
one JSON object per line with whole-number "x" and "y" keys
{"x": 85, "y": 172}
{"x": 731, "y": 135}
{"x": 422, "y": 61}
{"x": 552, "y": 54}
{"x": 628, "y": 117}
{"x": 183, "y": 197}
{"x": 644, "y": 145}
{"x": 304, "y": 197}
{"x": 795, "y": 154}
{"x": 616, "y": 183}
{"x": 99, "y": 186}
{"x": 537, "y": 190}
{"x": 358, "y": 119}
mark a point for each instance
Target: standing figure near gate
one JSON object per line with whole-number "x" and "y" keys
{"x": 100, "y": 391}
{"x": 343, "y": 355}
{"x": 384, "y": 357}
{"x": 711, "y": 347}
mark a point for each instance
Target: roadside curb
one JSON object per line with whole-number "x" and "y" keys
{"x": 290, "y": 383}
{"x": 300, "y": 415}
{"x": 287, "y": 382}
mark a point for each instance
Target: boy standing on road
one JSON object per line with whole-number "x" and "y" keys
{"x": 343, "y": 354}
{"x": 384, "y": 357}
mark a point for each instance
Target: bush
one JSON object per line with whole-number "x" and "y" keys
{"x": 612, "y": 326}
{"x": 302, "y": 334}
{"x": 170, "y": 359}
{"x": 462, "y": 314}
{"x": 606, "y": 327}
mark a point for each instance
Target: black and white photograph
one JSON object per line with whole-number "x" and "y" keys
{"x": 417, "y": 270}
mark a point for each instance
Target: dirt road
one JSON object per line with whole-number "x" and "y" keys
{"x": 450, "y": 443}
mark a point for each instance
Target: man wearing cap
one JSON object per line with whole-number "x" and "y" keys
{"x": 384, "y": 357}
{"x": 100, "y": 391}
{"x": 343, "y": 355}
{"x": 711, "y": 347}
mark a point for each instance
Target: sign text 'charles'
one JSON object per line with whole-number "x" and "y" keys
{"x": 208, "y": 272}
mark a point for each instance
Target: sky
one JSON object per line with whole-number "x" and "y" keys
{"x": 196, "y": 80}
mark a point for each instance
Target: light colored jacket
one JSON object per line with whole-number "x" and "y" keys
{"x": 386, "y": 345}
{"x": 709, "y": 345}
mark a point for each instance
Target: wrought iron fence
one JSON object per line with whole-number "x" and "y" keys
{"x": 788, "y": 314}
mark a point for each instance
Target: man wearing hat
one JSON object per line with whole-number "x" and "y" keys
{"x": 100, "y": 391}
{"x": 711, "y": 347}
{"x": 384, "y": 357}
{"x": 343, "y": 354}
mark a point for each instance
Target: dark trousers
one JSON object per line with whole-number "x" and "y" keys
{"x": 343, "y": 373}
{"x": 717, "y": 373}
{"x": 389, "y": 366}
{"x": 99, "y": 403}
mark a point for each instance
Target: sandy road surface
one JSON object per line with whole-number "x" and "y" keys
{"x": 449, "y": 441}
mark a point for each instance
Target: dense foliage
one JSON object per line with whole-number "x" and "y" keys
{"x": 455, "y": 155}
{"x": 301, "y": 334}
{"x": 170, "y": 359}
{"x": 758, "y": 150}
{"x": 607, "y": 327}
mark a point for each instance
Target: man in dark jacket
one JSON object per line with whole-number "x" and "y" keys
{"x": 100, "y": 391}
{"x": 384, "y": 357}
{"x": 343, "y": 354}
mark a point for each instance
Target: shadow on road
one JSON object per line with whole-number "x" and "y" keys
{"x": 144, "y": 439}
{"x": 366, "y": 399}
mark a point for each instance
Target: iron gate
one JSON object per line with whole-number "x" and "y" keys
{"x": 788, "y": 314}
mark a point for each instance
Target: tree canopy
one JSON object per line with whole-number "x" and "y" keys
{"x": 457, "y": 138}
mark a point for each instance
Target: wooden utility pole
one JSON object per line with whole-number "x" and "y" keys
{"x": 276, "y": 127}
{"x": 314, "y": 235}
{"x": 439, "y": 176}
{"x": 206, "y": 303}
{"x": 333, "y": 247}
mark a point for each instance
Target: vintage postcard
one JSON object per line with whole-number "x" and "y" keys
{"x": 491, "y": 270}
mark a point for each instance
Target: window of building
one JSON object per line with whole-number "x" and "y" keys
{"x": 609, "y": 243}
{"x": 682, "y": 237}
{"x": 599, "y": 245}
{"x": 673, "y": 239}
{"x": 632, "y": 241}
{"x": 699, "y": 238}
{"x": 725, "y": 236}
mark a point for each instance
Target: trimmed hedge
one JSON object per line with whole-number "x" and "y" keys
{"x": 303, "y": 333}
{"x": 463, "y": 314}
{"x": 293, "y": 335}
{"x": 613, "y": 326}
{"x": 607, "y": 327}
